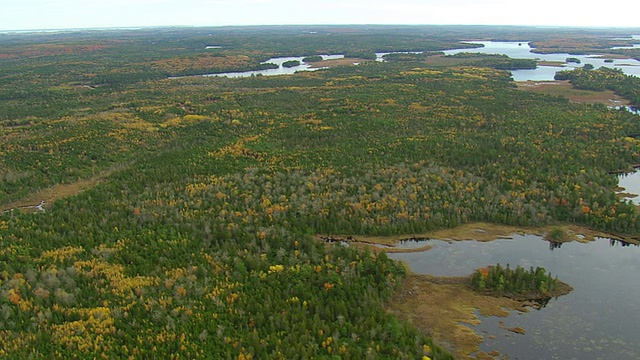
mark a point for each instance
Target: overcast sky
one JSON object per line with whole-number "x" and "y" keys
{"x": 60, "y": 14}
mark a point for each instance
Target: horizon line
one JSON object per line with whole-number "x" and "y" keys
{"x": 143, "y": 27}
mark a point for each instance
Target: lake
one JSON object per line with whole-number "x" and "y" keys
{"x": 281, "y": 70}
{"x": 600, "y": 318}
{"x": 516, "y": 50}
{"x": 522, "y": 50}
{"x": 631, "y": 184}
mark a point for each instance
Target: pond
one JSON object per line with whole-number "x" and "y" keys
{"x": 631, "y": 184}
{"x": 600, "y": 318}
{"x": 522, "y": 50}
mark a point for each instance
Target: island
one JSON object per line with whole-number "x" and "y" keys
{"x": 291, "y": 63}
{"x": 533, "y": 285}
{"x": 312, "y": 58}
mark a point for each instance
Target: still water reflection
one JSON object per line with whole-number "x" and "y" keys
{"x": 631, "y": 184}
{"x": 600, "y": 318}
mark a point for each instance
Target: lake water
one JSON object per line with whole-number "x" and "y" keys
{"x": 281, "y": 70}
{"x": 516, "y": 50}
{"x": 632, "y": 46}
{"x": 522, "y": 50}
{"x": 599, "y": 319}
{"x": 631, "y": 184}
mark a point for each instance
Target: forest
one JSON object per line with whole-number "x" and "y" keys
{"x": 602, "y": 79}
{"x": 535, "y": 284}
{"x": 180, "y": 211}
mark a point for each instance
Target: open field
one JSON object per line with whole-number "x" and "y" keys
{"x": 58, "y": 192}
{"x": 565, "y": 89}
{"x": 336, "y": 62}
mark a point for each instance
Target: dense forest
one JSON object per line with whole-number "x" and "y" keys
{"x": 180, "y": 211}
{"x": 535, "y": 284}
{"x": 602, "y": 79}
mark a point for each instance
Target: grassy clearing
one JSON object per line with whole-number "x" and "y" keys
{"x": 475, "y": 231}
{"x": 373, "y": 243}
{"x": 490, "y": 232}
{"x": 336, "y": 62}
{"x": 565, "y": 89}
{"x": 59, "y": 191}
{"x": 444, "y": 308}
{"x": 54, "y": 193}
{"x": 394, "y": 250}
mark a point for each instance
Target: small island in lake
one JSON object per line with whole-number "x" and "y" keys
{"x": 312, "y": 58}
{"x": 290, "y": 63}
{"x": 533, "y": 285}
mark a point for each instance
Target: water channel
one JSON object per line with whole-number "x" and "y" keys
{"x": 599, "y": 319}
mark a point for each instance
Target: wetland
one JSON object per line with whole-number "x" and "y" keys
{"x": 595, "y": 320}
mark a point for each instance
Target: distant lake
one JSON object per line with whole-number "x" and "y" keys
{"x": 522, "y": 50}
{"x": 281, "y": 70}
{"x": 516, "y": 50}
{"x": 633, "y": 46}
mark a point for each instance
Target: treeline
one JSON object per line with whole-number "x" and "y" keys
{"x": 408, "y": 56}
{"x": 496, "y": 61}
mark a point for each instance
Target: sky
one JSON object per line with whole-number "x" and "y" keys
{"x": 63, "y": 14}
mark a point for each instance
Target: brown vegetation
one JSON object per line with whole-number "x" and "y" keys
{"x": 565, "y": 89}
{"x": 478, "y": 231}
{"x": 336, "y": 62}
{"x": 441, "y": 307}
{"x": 178, "y": 65}
{"x": 57, "y": 192}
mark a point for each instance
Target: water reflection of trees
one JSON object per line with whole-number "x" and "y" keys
{"x": 542, "y": 303}
{"x": 554, "y": 245}
{"x": 557, "y": 245}
{"x": 613, "y": 242}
